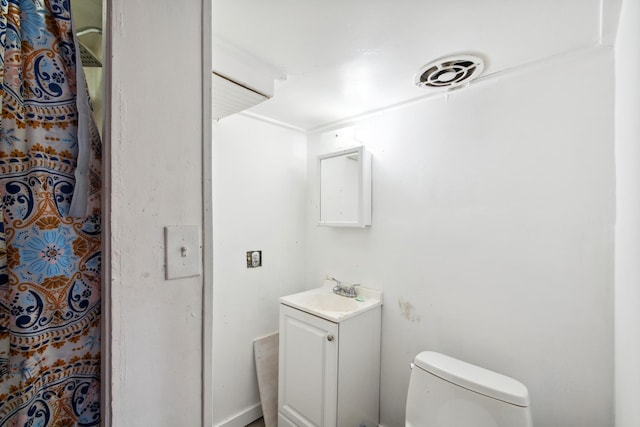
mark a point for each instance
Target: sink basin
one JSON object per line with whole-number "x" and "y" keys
{"x": 333, "y": 302}
{"x": 322, "y": 302}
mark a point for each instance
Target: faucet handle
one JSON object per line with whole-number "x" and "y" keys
{"x": 346, "y": 290}
{"x": 351, "y": 290}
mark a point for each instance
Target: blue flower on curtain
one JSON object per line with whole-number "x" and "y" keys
{"x": 32, "y": 21}
{"x": 9, "y": 137}
{"x": 47, "y": 252}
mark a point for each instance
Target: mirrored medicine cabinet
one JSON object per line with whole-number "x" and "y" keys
{"x": 345, "y": 188}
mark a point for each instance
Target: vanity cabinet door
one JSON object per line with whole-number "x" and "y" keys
{"x": 308, "y": 369}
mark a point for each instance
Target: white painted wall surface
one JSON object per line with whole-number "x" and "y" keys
{"x": 259, "y": 202}
{"x": 492, "y": 235}
{"x": 627, "y": 251}
{"x": 156, "y": 180}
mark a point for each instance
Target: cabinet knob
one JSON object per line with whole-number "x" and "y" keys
{"x": 330, "y": 338}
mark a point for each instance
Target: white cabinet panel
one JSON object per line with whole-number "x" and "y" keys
{"x": 329, "y": 373}
{"x": 308, "y": 368}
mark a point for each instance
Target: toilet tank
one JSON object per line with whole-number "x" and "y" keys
{"x": 446, "y": 392}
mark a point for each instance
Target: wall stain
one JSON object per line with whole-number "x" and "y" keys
{"x": 408, "y": 311}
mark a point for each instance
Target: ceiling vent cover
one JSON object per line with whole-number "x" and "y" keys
{"x": 450, "y": 71}
{"x": 230, "y": 97}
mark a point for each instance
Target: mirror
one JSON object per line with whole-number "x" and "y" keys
{"x": 345, "y": 188}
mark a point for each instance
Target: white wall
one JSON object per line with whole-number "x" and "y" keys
{"x": 259, "y": 193}
{"x": 155, "y": 179}
{"x": 492, "y": 235}
{"x": 627, "y": 271}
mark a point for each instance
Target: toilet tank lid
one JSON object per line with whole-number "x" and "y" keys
{"x": 474, "y": 378}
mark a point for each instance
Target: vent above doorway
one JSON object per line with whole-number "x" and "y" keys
{"x": 240, "y": 79}
{"x": 449, "y": 72}
{"x": 231, "y": 97}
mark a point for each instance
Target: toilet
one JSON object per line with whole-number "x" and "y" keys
{"x": 447, "y": 392}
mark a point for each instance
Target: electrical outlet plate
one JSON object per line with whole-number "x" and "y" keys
{"x": 183, "y": 251}
{"x": 254, "y": 259}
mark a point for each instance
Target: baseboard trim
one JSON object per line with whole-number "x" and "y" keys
{"x": 242, "y": 418}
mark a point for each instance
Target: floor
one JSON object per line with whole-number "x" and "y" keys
{"x": 257, "y": 423}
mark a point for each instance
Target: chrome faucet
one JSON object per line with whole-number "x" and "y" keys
{"x": 344, "y": 290}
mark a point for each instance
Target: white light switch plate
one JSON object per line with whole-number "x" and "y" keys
{"x": 183, "y": 251}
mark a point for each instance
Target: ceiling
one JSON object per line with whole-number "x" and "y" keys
{"x": 344, "y": 58}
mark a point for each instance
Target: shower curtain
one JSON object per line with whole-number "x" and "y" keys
{"x": 49, "y": 223}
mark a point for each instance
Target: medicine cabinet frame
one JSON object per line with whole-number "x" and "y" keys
{"x": 362, "y": 216}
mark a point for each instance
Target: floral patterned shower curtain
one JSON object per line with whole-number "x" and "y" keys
{"x": 49, "y": 223}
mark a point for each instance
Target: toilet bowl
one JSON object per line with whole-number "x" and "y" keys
{"x": 446, "y": 392}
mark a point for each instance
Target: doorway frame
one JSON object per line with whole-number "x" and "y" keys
{"x": 207, "y": 216}
{"x": 106, "y": 401}
{"x": 105, "y": 309}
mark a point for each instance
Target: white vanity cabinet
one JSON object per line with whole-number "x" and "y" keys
{"x": 329, "y": 370}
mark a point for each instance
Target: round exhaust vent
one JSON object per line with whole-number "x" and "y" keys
{"x": 450, "y": 71}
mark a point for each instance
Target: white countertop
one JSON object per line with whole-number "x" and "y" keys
{"x": 322, "y": 302}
